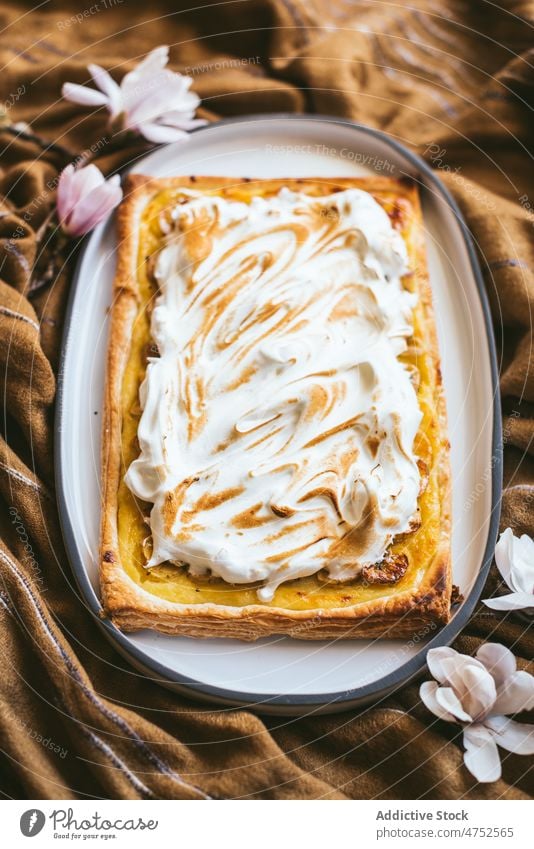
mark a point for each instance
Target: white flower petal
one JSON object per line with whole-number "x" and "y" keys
{"x": 147, "y": 97}
{"x": 154, "y": 61}
{"x": 504, "y": 552}
{"x": 448, "y": 665}
{"x": 449, "y": 701}
{"x": 523, "y": 565}
{"x": 514, "y": 557}
{"x": 164, "y": 95}
{"x": 427, "y": 694}
{"x": 498, "y": 660}
{"x": 481, "y": 755}
{"x": 513, "y": 601}
{"x": 177, "y": 119}
{"x": 515, "y": 694}
{"x": 105, "y": 82}
{"x": 435, "y": 659}
{"x": 476, "y": 689}
{"x": 82, "y": 95}
{"x": 160, "y": 134}
{"x": 517, "y": 737}
{"x": 194, "y": 123}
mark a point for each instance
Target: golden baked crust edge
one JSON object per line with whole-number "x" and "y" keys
{"x": 130, "y": 607}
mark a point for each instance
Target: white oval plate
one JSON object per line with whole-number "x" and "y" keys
{"x": 283, "y": 675}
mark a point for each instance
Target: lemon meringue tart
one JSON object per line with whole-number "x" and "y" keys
{"x": 275, "y": 456}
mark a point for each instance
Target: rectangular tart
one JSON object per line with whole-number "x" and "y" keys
{"x": 275, "y": 456}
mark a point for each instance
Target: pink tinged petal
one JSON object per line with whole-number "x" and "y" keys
{"x": 81, "y": 181}
{"x": 82, "y": 95}
{"x": 82, "y": 226}
{"x": 449, "y": 701}
{"x": 517, "y": 737}
{"x": 498, "y": 660}
{"x": 481, "y": 755}
{"x": 94, "y": 207}
{"x": 105, "y": 82}
{"x": 512, "y": 601}
{"x": 515, "y": 694}
{"x": 65, "y": 192}
{"x": 160, "y": 134}
{"x": 74, "y": 184}
{"x": 427, "y": 694}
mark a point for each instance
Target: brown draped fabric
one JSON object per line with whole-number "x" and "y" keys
{"x": 451, "y": 79}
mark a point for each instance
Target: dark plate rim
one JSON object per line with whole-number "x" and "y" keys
{"x": 292, "y": 702}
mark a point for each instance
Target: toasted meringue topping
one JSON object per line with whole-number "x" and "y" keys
{"x": 278, "y": 425}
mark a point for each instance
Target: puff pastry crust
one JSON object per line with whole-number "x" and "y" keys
{"x": 415, "y": 605}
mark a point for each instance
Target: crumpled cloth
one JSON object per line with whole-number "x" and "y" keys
{"x": 452, "y": 80}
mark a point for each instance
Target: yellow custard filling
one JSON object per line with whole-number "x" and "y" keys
{"x": 173, "y": 583}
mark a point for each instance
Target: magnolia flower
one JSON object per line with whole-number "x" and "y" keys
{"x": 84, "y": 198}
{"x": 514, "y": 557}
{"x": 151, "y": 100}
{"x": 477, "y": 692}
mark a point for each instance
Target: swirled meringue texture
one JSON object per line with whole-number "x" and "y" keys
{"x": 278, "y": 422}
